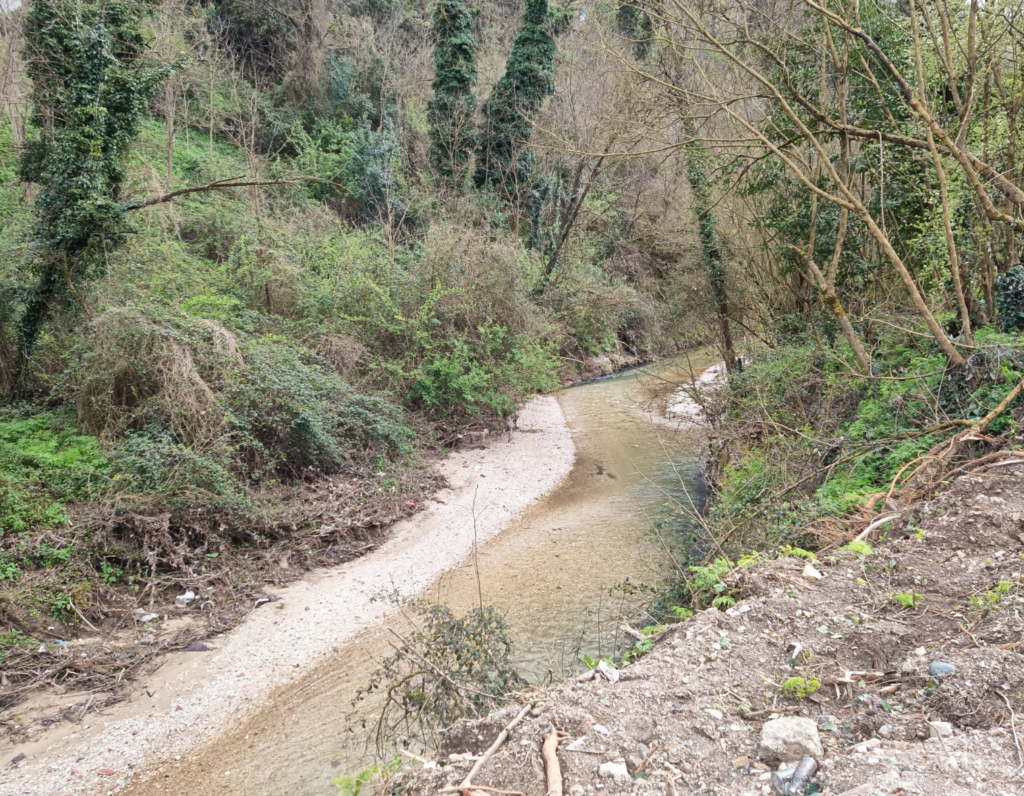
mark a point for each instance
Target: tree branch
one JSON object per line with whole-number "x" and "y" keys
{"x": 217, "y": 185}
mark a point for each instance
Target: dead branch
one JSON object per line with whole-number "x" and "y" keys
{"x": 217, "y": 185}
{"x": 551, "y": 766}
{"x": 494, "y": 747}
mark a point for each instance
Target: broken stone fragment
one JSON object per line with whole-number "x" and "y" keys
{"x": 614, "y": 771}
{"x": 940, "y": 729}
{"x": 790, "y": 738}
{"x": 940, "y": 669}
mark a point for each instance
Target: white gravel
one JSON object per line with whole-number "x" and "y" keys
{"x": 207, "y": 692}
{"x": 683, "y": 408}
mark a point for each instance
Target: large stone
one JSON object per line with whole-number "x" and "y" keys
{"x": 789, "y": 739}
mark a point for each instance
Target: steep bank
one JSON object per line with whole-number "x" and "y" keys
{"x": 196, "y": 695}
{"x": 695, "y": 706}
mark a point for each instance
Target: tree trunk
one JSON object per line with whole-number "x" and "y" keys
{"x": 711, "y": 250}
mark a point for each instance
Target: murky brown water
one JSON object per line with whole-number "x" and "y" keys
{"x": 552, "y": 574}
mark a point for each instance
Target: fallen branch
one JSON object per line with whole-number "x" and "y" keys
{"x": 494, "y": 747}
{"x": 217, "y": 185}
{"x": 554, "y": 771}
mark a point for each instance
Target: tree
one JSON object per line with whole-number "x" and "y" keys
{"x": 710, "y": 245}
{"x": 92, "y": 82}
{"x": 529, "y": 79}
{"x": 451, "y": 111}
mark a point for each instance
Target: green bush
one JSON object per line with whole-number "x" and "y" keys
{"x": 289, "y": 412}
{"x": 151, "y": 460}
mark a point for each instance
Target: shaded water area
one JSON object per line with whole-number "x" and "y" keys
{"x": 556, "y": 574}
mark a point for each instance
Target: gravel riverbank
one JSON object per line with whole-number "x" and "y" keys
{"x": 195, "y": 696}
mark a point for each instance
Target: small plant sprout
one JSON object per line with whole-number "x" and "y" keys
{"x": 908, "y": 598}
{"x": 857, "y": 548}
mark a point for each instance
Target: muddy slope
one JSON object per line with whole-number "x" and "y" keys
{"x": 697, "y": 703}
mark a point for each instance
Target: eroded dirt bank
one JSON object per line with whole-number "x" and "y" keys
{"x": 695, "y": 706}
{"x": 195, "y": 696}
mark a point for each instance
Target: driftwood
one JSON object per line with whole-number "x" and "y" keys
{"x": 554, "y": 771}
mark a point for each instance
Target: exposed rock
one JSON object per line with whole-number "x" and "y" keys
{"x": 790, "y": 738}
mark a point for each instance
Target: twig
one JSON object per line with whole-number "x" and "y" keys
{"x": 466, "y": 790}
{"x": 81, "y": 615}
{"x": 877, "y": 523}
{"x": 643, "y": 763}
{"x": 494, "y": 747}
{"x": 1013, "y": 729}
{"x": 441, "y": 674}
{"x": 87, "y": 706}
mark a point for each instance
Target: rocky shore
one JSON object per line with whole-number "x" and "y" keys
{"x": 895, "y": 666}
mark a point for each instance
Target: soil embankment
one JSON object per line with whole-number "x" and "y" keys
{"x": 196, "y": 695}
{"x": 688, "y": 717}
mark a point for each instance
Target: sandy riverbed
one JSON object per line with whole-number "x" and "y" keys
{"x": 195, "y": 696}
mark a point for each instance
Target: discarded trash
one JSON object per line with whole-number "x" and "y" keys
{"x": 183, "y": 600}
{"x": 18, "y": 758}
{"x": 610, "y": 674}
{"x": 602, "y": 729}
{"x": 265, "y": 600}
{"x": 781, "y": 780}
{"x": 940, "y": 669}
{"x": 803, "y": 774}
{"x": 147, "y": 618}
{"x": 198, "y": 646}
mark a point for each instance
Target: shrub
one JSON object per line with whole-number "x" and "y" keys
{"x": 472, "y": 652}
{"x": 151, "y": 460}
{"x": 164, "y": 386}
{"x": 290, "y": 412}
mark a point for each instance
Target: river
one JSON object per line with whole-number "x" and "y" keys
{"x": 553, "y": 574}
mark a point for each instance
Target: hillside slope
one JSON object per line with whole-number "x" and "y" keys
{"x": 695, "y": 706}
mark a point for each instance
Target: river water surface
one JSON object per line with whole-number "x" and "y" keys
{"x": 553, "y": 574}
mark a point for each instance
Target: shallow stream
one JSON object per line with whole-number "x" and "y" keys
{"x": 553, "y": 574}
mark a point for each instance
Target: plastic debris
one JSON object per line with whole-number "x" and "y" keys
{"x": 940, "y": 669}
{"x": 183, "y": 600}
{"x": 610, "y": 674}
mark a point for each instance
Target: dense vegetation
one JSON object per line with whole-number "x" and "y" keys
{"x": 248, "y": 288}
{"x": 257, "y": 260}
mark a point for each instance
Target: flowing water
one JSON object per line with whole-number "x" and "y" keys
{"x": 553, "y": 574}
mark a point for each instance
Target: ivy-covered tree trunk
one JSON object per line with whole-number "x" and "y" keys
{"x": 711, "y": 249}
{"x": 91, "y": 87}
{"x": 502, "y": 159}
{"x": 451, "y": 111}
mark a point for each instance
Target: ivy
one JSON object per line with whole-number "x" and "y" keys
{"x": 451, "y": 111}
{"x": 92, "y": 82}
{"x": 503, "y": 160}
{"x": 1010, "y": 300}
